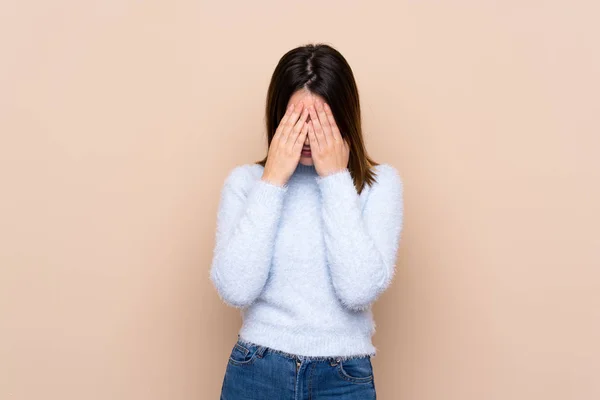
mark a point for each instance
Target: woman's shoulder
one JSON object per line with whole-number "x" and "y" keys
{"x": 387, "y": 175}
{"x": 387, "y": 192}
{"x": 243, "y": 175}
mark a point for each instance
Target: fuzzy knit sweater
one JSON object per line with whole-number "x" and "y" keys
{"x": 305, "y": 261}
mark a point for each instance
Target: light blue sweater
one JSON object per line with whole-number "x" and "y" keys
{"x": 305, "y": 261}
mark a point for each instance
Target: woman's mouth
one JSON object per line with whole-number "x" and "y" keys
{"x": 306, "y": 151}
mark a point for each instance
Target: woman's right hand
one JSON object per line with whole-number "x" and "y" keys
{"x": 286, "y": 145}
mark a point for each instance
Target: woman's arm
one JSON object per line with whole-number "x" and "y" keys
{"x": 247, "y": 220}
{"x": 361, "y": 246}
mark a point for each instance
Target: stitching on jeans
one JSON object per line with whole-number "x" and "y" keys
{"x": 241, "y": 347}
{"x": 310, "y": 381}
{"x": 245, "y": 351}
{"x": 355, "y": 379}
{"x": 242, "y": 363}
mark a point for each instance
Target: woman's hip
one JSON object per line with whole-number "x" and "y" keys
{"x": 259, "y": 372}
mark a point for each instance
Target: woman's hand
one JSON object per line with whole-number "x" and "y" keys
{"x": 286, "y": 145}
{"x": 330, "y": 152}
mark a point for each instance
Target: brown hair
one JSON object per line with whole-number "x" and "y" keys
{"x": 322, "y": 70}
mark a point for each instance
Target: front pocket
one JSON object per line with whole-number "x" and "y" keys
{"x": 358, "y": 369}
{"x": 242, "y": 354}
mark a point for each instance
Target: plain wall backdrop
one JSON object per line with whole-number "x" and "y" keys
{"x": 120, "y": 119}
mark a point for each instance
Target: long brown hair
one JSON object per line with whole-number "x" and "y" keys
{"x": 322, "y": 70}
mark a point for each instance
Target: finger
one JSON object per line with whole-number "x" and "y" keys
{"x": 314, "y": 142}
{"x": 323, "y": 120}
{"x": 288, "y": 126}
{"x": 299, "y": 144}
{"x": 283, "y": 120}
{"x": 335, "y": 131}
{"x": 317, "y": 129}
{"x": 297, "y": 130}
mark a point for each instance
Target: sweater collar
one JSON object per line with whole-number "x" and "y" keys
{"x": 302, "y": 169}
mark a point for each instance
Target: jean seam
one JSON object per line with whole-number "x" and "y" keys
{"x": 246, "y": 351}
{"x": 353, "y": 379}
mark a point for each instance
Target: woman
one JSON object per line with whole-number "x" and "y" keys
{"x": 306, "y": 240}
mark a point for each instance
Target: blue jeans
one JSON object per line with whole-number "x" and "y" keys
{"x": 257, "y": 372}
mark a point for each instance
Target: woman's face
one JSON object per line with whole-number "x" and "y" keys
{"x": 308, "y": 99}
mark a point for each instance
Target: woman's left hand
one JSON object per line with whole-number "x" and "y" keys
{"x": 329, "y": 151}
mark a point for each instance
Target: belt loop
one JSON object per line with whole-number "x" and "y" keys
{"x": 261, "y": 350}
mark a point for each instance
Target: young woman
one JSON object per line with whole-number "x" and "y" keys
{"x": 306, "y": 240}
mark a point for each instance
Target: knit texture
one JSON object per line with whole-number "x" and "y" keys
{"x": 304, "y": 262}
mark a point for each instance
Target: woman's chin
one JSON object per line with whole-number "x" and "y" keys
{"x": 306, "y": 160}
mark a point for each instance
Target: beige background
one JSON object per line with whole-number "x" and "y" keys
{"x": 120, "y": 119}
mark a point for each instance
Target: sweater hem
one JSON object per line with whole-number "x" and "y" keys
{"x": 324, "y": 346}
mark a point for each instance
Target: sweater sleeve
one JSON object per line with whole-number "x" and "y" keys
{"x": 361, "y": 245}
{"x": 247, "y": 219}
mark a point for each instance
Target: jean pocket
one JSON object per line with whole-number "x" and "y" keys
{"x": 356, "y": 369}
{"x": 243, "y": 353}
